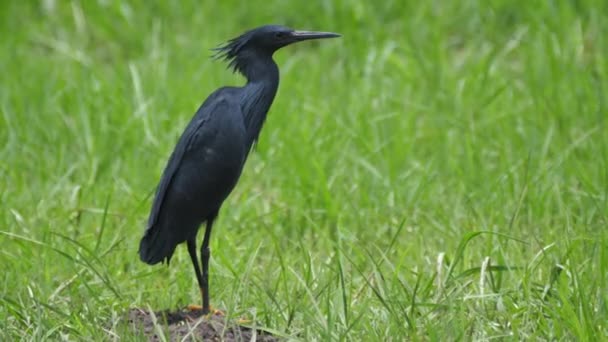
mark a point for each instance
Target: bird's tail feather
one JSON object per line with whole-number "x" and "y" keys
{"x": 154, "y": 249}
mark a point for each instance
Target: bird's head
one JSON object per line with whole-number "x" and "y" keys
{"x": 265, "y": 40}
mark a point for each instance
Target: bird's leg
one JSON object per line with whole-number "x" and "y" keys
{"x": 191, "y": 243}
{"x": 205, "y": 254}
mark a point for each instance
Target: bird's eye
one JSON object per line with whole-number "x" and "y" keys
{"x": 280, "y": 35}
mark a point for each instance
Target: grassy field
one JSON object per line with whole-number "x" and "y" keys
{"x": 438, "y": 173}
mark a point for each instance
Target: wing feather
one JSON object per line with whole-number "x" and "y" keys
{"x": 190, "y": 134}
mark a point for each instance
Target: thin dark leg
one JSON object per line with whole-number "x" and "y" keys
{"x": 205, "y": 254}
{"x": 191, "y": 243}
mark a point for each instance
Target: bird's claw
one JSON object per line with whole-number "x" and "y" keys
{"x": 211, "y": 312}
{"x": 217, "y": 312}
{"x": 194, "y": 307}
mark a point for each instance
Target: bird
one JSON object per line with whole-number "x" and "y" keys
{"x": 209, "y": 156}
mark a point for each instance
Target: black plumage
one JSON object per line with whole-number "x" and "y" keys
{"x": 209, "y": 156}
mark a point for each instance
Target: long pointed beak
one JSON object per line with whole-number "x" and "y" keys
{"x": 305, "y": 35}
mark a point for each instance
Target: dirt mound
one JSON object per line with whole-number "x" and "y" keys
{"x": 186, "y": 325}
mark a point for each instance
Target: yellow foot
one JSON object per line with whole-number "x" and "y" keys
{"x": 217, "y": 312}
{"x": 212, "y": 311}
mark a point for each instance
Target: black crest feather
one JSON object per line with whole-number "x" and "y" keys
{"x": 230, "y": 50}
{"x": 233, "y": 50}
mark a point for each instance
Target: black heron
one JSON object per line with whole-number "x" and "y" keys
{"x": 209, "y": 156}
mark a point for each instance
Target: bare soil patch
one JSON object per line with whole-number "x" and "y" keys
{"x": 186, "y": 325}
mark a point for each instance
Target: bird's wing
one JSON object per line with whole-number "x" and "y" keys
{"x": 194, "y": 132}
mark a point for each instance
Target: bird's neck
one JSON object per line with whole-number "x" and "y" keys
{"x": 258, "y": 67}
{"x": 262, "y": 84}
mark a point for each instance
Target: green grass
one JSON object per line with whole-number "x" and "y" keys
{"x": 438, "y": 173}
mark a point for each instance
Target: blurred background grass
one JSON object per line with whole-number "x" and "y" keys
{"x": 440, "y": 172}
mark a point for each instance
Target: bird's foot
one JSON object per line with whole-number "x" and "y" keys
{"x": 194, "y": 307}
{"x": 210, "y": 312}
